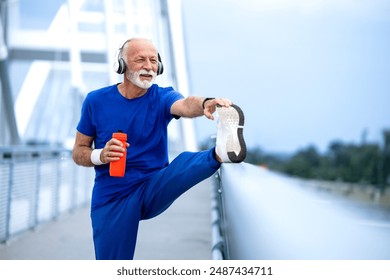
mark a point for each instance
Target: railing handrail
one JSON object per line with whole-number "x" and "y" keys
{"x": 38, "y": 183}
{"x": 270, "y": 216}
{"x": 25, "y": 149}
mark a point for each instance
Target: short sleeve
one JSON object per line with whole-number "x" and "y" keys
{"x": 171, "y": 96}
{"x": 85, "y": 125}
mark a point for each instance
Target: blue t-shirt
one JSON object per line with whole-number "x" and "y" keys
{"x": 144, "y": 119}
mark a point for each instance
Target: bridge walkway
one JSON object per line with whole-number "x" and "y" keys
{"x": 181, "y": 232}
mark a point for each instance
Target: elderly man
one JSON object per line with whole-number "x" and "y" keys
{"x": 143, "y": 110}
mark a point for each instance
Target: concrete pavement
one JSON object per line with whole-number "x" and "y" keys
{"x": 181, "y": 232}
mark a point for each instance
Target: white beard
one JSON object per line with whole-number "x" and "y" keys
{"x": 134, "y": 77}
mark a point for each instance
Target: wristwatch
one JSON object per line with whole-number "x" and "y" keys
{"x": 206, "y": 99}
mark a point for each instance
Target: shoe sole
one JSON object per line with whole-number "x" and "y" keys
{"x": 236, "y": 118}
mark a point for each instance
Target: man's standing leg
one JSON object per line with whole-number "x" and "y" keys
{"x": 115, "y": 227}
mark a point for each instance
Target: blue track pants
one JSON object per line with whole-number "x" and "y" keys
{"x": 115, "y": 225}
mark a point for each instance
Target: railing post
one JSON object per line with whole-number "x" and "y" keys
{"x": 74, "y": 201}
{"x": 37, "y": 192}
{"x": 57, "y": 188}
{"x": 9, "y": 198}
{"x": 219, "y": 246}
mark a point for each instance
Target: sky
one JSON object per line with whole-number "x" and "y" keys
{"x": 304, "y": 72}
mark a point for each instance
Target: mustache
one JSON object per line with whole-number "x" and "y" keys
{"x": 144, "y": 72}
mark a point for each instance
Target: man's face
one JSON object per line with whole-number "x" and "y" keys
{"x": 142, "y": 63}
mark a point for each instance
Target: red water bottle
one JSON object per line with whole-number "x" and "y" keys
{"x": 117, "y": 168}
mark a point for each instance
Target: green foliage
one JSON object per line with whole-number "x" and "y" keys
{"x": 368, "y": 163}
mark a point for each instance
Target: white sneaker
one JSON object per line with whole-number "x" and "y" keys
{"x": 230, "y": 146}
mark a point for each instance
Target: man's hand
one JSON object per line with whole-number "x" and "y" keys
{"x": 112, "y": 151}
{"x": 211, "y": 105}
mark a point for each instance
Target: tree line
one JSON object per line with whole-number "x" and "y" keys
{"x": 364, "y": 163}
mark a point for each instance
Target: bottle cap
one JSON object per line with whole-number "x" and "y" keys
{"x": 120, "y": 136}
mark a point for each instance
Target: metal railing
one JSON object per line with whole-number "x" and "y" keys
{"x": 37, "y": 184}
{"x": 259, "y": 214}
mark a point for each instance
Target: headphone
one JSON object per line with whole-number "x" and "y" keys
{"x": 120, "y": 65}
